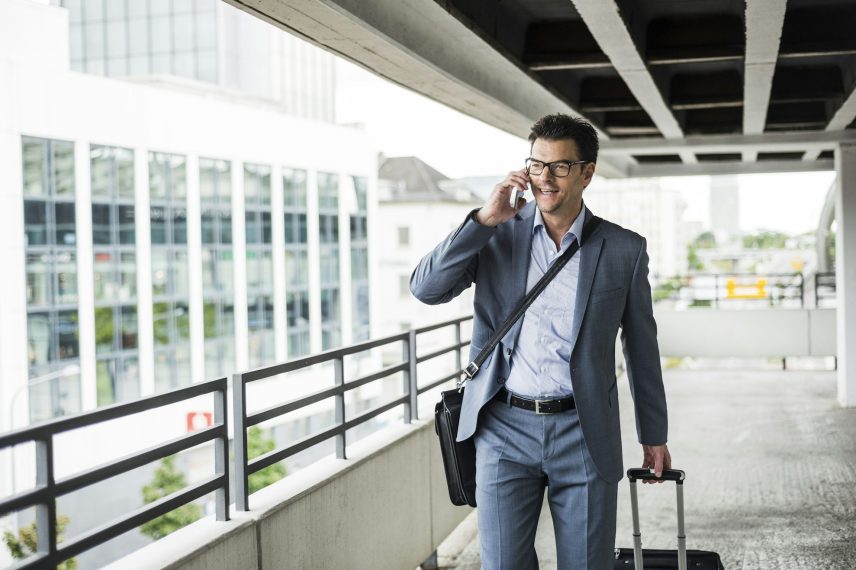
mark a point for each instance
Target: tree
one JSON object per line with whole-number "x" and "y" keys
{"x": 25, "y": 544}
{"x": 693, "y": 261}
{"x": 765, "y": 240}
{"x": 258, "y": 444}
{"x": 705, "y": 240}
{"x": 167, "y": 481}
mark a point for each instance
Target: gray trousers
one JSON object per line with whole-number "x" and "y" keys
{"x": 518, "y": 453}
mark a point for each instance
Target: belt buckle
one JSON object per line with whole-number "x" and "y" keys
{"x": 538, "y": 408}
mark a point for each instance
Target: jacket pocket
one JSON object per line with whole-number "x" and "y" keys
{"x": 608, "y": 294}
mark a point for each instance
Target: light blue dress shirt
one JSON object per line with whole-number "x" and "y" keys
{"x": 540, "y": 363}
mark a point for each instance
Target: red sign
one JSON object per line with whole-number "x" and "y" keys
{"x": 199, "y": 420}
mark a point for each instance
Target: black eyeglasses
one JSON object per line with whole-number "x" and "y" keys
{"x": 558, "y": 168}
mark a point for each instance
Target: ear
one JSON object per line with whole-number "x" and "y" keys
{"x": 589, "y": 172}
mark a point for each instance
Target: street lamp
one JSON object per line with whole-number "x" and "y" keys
{"x": 69, "y": 370}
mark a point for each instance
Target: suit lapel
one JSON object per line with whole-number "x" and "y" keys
{"x": 589, "y": 255}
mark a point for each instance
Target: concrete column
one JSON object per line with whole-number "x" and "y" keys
{"x": 314, "y": 245}
{"x": 194, "y": 274}
{"x": 278, "y": 248}
{"x": 85, "y": 276}
{"x": 845, "y": 271}
{"x": 145, "y": 318}
{"x": 239, "y": 265}
{"x": 347, "y": 205}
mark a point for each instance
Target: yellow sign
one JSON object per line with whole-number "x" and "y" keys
{"x": 758, "y": 290}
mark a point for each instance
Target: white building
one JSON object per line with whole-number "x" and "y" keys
{"x": 417, "y": 208}
{"x": 159, "y": 235}
{"x": 656, "y": 213}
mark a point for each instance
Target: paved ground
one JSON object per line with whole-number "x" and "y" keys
{"x": 771, "y": 474}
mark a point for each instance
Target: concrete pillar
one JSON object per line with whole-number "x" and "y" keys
{"x": 845, "y": 271}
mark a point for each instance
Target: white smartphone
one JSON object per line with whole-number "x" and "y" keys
{"x": 514, "y": 196}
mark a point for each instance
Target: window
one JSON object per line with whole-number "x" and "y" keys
{"x": 296, "y": 262}
{"x": 50, "y": 232}
{"x": 257, "y": 193}
{"x": 215, "y": 180}
{"x": 360, "y": 262}
{"x": 328, "y": 227}
{"x": 403, "y": 236}
{"x": 170, "y": 287}
{"x": 115, "y": 273}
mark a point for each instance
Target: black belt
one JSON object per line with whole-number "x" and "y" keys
{"x": 553, "y": 406}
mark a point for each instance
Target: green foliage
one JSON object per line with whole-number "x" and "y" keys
{"x": 666, "y": 288}
{"x": 765, "y": 240}
{"x": 25, "y": 544}
{"x": 693, "y": 262}
{"x": 168, "y": 480}
{"x": 258, "y": 444}
{"x": 704, "y": 240}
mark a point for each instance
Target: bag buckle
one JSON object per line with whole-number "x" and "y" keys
{"x": 471, "y": 370}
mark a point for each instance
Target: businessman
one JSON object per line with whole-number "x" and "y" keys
{"x": 543, "y": 408}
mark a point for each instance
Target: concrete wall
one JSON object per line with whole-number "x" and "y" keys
{"x": 386, "y": 507}
{"x": 763, "y": 332}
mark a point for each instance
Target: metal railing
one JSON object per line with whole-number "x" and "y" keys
{"x": 720, "y": 289}
{"x": 47, "y": 490}
{"x": 824, "y": 287}
{"x": 409, "y": 400}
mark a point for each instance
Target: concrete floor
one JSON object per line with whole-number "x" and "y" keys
{"x": 771, "y": 474}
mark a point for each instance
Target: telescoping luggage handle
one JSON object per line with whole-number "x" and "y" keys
{"x": 678, "y": 477}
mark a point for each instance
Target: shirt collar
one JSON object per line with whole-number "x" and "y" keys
{"x": 576, "y": 227}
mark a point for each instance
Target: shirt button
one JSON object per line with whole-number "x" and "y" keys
{"x": 543, "y": 369}
{"x": 508, "y": 352}
{"x": 500, "y": 380}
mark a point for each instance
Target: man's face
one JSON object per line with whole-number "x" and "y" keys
{"x": 560, "y": 196}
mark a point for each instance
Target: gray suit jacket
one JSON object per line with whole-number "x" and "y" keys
{"x": 613, "y": 291}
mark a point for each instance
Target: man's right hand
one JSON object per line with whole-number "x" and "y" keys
{"x": 497, "y": 208}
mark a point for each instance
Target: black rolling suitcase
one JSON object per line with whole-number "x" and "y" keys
{"x": 681, "y": 559}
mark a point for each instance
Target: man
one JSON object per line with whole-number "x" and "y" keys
{"x": 543, "y": 407}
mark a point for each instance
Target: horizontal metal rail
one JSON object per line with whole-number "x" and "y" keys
{"x": 47, "y": 490}
{"x": 244, "y": 466}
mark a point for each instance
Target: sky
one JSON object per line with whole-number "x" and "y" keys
{"x": 400, "y": 122}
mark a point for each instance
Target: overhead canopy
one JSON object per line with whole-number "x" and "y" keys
{"x": 674, "y": 87}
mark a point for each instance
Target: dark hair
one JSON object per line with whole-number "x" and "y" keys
{"x": 559, "y": 126}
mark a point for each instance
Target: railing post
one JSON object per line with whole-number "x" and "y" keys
{"x": 46, "y": 512}
{"x": 459, "y": 363}
{"x": 716, "y": 290}
{"x": 816, "y": 297}
{"x": 802, "y": 291}
{"x": 411, "y": 408}
{"x": 239, "y": 407}
{"x": 339, "y": 372}
{"x": 221, "y": 454}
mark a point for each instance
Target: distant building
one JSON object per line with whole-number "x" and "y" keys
{"x": 725, "y": 209}
{"x": 656, "y": 213}
{"x": 417, "y": 208}
{"x": 159, "y": 234}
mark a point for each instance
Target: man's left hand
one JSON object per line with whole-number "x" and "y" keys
{"x": 656, "y": 457}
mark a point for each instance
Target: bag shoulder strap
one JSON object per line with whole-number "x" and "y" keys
{"x": 473, "y": 367}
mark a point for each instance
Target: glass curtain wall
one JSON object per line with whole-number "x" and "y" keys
{"x": 170, "y": 283}
{"x": 134, "y": 37}
{"x": 257, "y": 193}
{"x": 296, "y": 262}
{"x": 328, "y": 228}
{"x": 115, "y": 274}
{"x": 50, "y": 232}
{"x": 360, "y": 262}
{"x": 218, "y": 287}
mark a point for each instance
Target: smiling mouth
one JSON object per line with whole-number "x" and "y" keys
{"x": 547, "y": 191}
